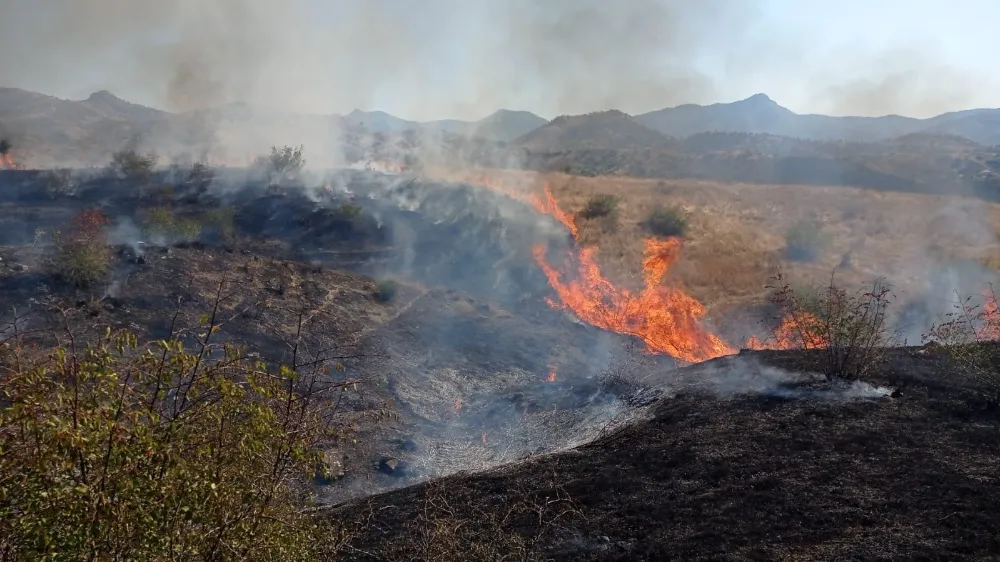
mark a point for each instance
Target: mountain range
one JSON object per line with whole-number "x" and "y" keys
{"x": 753, "y": 140}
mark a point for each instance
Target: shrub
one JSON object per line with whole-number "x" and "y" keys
{"x": 804, "y": 241}
{"x": 161, "y": 221}
{"x": 82, "y": 254}
{"x": 600, "y": 206}
{"x": 200, "y": 176}
{"x": 282, "y": 164}
{"x": 385, "y": 290}
{"x": 968, "y": 337}
{"x": 133, "y": 166}
{"x": 667, "y": 221}
{"x": 223, "y": 220}
{"x": 58, "y": 183}
{"x": 851, "y": 327}
{"x": 130, "y": 452}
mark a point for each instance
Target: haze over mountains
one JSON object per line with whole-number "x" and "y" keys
{"x": 751, "y": 140}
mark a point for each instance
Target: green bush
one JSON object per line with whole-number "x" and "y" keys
{"x": 667, "y": 221}
{"x": 130, "y": 452}
{"x": 82, "y": 256}
{"x": 161, "y": 221}
{"x": 386, "y": 290}
{"x": 133, "y": 166}
{"x": 600, "y": 206}
{"x": 804, "y": 241}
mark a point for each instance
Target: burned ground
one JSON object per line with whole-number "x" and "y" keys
{"x": 796, "y": 472}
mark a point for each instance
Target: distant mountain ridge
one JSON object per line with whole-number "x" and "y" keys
{"x": 753, "y": 140}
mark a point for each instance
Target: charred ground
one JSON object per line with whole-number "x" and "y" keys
{"x": 792, "y": 473}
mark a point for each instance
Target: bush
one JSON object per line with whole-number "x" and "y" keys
{"x": 82, "y": 255}
{"x": 223, "y": 220}
{"x": 58, "y": 183}
{"x": 968, "y": 337}
{"x": 129, "y": 452}
{"x": 161, "y": 222}
{"x": 133, "y": 166}
{"x": 667, "y": 221}
{"x": 851, "y": 327}
{"x": 600, "y": 206}
{"x": 282, "y": 164}
{"x": 386, "y": 290}
{"x": 804, "y": 241}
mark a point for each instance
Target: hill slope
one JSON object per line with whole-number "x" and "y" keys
{"x": 612, "y": 130}
{"x": 760, "y": 114}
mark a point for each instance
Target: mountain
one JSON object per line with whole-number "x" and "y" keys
{"x": 379, "y": 121}
{"x": 602, "y": 130}
{"x": 761, "y": 114}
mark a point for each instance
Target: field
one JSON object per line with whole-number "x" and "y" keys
{"x": 735, "y": 240}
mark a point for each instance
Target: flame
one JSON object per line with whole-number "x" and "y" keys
{"x": 990, "y": 330}
{"x": 801, "y": 331}
{"x": 386, "y": 166}
{"x": 7, "y": 161}
{"x": 458, "y": 405}
{"x": 484, "y": 437}
{"x": 550, "y": 207}
{"x": 664, "y": 317}
{"x": 552, "y": 375}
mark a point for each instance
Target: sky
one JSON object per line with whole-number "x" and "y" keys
{"x": 464, "y": 59}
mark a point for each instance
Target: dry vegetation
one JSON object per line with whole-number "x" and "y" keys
{"x": 736, "y": 233}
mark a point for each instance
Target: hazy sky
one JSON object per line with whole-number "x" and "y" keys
{"x": 466, "y": 58}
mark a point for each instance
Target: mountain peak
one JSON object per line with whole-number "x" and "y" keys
{"x": 759, "y": 100}
{"x": 105, "y": 96}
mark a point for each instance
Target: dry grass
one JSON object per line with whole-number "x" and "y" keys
{"x": 736, "y": 232}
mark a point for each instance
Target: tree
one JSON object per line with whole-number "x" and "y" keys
{"x": 133, "y": 166}
{"x": 82, "y": 256}
{"x": 283, "y": 163}
{"x": 5, "y": 147}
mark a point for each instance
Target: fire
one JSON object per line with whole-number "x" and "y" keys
{"x": 801, "y": 331}
{"x": 552, "y": 375}
{"x": 664, "y": 317}
{"x": 484, "y": 437}
{"x": 458, "y": 405}
{"x": 7, "y": 161}
{"x": 549, "y": 206}
{"x": 990, "y": 330}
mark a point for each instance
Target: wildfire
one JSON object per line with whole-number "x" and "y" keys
{"x": 7, "y": 161}
{"x": 664, "y": 317}
{"x": 484, "y": 437}
{"x": 794, "y": 332}
{"x": 552, "y": 375}
{"x": 990, "y": 329}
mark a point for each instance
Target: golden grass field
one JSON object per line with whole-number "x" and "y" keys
{"x": 736, "y": 234}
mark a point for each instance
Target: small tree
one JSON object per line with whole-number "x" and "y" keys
{"x": 386, "y": 289}
{"x": 133, "y": 166}
{"x": 804, "y": 241}
{"x": 667, "y": 221}
{"x": 600, "y": 206}
{"x": 82, "y": 256}
{"x": 852, "y": 328}
{"x": 283, "y": 164}
{"x": 5, "y": 147}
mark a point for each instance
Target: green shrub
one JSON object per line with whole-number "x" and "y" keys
{"x": 804, "y": 241}
{"x": 82, "y": 256}
{"x": 667, "y": 221}
{"x": 385, "y": 290}
{"x": 133, "y": 166}
{"x": 130, "y": 452}
{"x": 222, "y": 219}
{"x": 600, "y": 206}
{"x": 161, "y": 221}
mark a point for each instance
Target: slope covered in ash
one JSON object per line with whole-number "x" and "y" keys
{"x": 757, "y": 464}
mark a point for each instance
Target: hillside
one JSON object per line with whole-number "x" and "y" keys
{"x": 607, "y": 130}
{"x": 760, "y": 114}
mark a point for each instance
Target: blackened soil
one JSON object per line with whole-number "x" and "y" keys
{"x": 751, "y": 477}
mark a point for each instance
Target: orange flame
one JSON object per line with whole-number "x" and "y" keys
{"x": 665, "y": 318}
{"x": 549, "y": 206}
{"x": 484, "y": 437}
{"x": 800, "y": 331}
{"x": 990, "y": 330}
{"x": 7, "y": 161}
{"x": 552, "y": 375}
